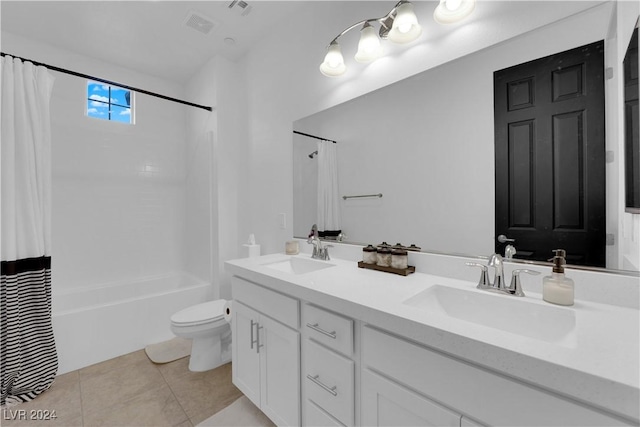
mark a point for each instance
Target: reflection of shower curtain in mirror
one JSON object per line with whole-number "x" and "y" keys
{"x": 328, "y": 207}
{"x": 28, "y": 356}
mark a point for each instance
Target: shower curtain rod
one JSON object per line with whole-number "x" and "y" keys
{"x": 101, "y": 80}
{"x": 313, "y": 136}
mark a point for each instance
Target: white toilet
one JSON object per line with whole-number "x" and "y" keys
{"x": 211, "y": 334}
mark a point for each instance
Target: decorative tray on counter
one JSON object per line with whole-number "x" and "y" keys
{"x": 401, "y": 271}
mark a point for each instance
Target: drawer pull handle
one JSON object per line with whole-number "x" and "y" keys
{"x": 258, "y": 345}
{"x": 322, "y": 331}
{"x": 315, "y": 379}
{"x": 253, "y": 340}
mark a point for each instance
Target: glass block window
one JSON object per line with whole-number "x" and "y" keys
{"x": 109, "y": 102}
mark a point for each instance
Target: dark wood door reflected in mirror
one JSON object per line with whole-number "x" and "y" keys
{"x": 550, "y": 156}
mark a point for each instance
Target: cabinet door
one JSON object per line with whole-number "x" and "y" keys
{"x": 280, "y": 372}
{"x": 385, "y": 403}
{"x": 245, "y": 357}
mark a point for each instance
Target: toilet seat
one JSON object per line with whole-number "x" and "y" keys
{"x": 208, "y": 312}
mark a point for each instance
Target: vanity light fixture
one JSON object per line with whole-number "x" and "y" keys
{"x": 451, "y": 11}
{"x": 400, "y": 25}
{"x": 333, "y": 64}
{"x": 369, "y": 46}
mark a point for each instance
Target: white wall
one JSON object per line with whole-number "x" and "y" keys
{"x": 284, "y": 84}
{"x": 219, "y": 84}
{"x": 118, "y": 190}
{"x": 625, "y": 226}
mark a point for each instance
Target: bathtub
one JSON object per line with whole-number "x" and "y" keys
{"x": 98, "y": 323}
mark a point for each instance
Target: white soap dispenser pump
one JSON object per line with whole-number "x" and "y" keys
{"x": 557, "y": 288}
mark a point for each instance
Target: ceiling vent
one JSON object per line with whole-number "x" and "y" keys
{"x": 200, "y": 23}
{"x": 243, "y": 5}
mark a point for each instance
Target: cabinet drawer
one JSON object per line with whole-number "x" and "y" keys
{"x": 472, "y": 390}
{"x": 275, "y": 305}
{"x": 328, "y": 328}
{"x": 329, "y": 382}
{"x": 316, "y": 417}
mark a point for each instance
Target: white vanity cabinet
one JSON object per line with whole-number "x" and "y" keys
{"x": 266, "y": 350}
{"x": 308, "y": 350}
{"x": 404, "y": 380}
{"x": 328, "y": 368}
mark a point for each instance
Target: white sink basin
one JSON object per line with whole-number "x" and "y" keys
{"x": 296, "y": 265}
{"x": 503, "y": 312}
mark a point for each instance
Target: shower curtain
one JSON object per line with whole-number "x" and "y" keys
{"x": 28, "y": 356}
{"x": 328, "y": 207}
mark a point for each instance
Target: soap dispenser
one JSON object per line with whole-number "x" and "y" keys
{"x": 557, "y": 288}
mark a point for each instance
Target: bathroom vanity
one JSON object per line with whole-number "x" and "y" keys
{"x": 326, "y": 343}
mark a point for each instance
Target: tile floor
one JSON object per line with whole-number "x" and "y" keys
{"x": 131, "y": 391}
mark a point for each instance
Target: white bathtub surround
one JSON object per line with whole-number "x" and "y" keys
{"x": 29, "y": 359}
{"x": 98, "y": 323}
{"x": 596, "y": 362}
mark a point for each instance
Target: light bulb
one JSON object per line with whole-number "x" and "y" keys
{"x": 451, "y": 11}
{"x": 452, "y": 4}
{"x": 405, "y": 27}
{"x": 333, "y": 60}
{"x": 369, "y": 47}
{"x": 333, "y": 64}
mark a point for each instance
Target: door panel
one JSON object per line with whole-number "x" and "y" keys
{"x": 550, "y": 156}
{"x": 521, "y": 194}
{"x": 568, "y": 147}
{"x": 246, "y": 360}
{"x": 280, "y": 370}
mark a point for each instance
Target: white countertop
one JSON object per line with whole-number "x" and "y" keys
{"x": 598, "y": 362}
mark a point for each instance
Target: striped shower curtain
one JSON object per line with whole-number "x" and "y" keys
{"x": 28, "y": 355}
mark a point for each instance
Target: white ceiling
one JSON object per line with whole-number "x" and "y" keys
{"x": 147, "y": 36}
{"x": 151, "y": 37}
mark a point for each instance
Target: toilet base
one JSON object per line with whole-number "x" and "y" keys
{"x": 209, "y": 352}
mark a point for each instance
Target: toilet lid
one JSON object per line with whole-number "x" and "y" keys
{"x": 200, "y": 313}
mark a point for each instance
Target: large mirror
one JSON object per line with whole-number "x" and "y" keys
{"x": 423, "y": 149}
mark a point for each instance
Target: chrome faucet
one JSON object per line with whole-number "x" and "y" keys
{"x": 320, "y": 251}
{"x": 495, "y": 261}
{"x": 509, "y": 251}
